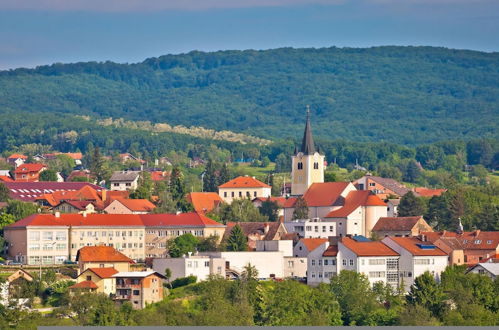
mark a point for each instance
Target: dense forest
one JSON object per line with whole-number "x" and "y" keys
{"x": 403, "y": 95}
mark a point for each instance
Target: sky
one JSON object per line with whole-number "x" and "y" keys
{"x": 39, "y": 32}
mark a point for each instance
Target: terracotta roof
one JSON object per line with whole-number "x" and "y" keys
{"x": 76, "y": 220}
{"x": 391, "y": 184}
{"x": 394, "y": 223}
{"x": 426, "y": 192}
{"x": 354, "y": 200}
{"x": 80, "y": 205}
{"x": 493, "y": 258}
{"x": 159, "y": 175}
{"x": 72, "y": 155}
{"x": 84, "y": 285}
{"x": 29, "y": 167}
{"x": 101, "y": 254}
{"x": 244, "y": 182}
{"x": 190, "y": 219}
{"x": 321, "y": 194}
{"x": 331, "y": 251}
{"x": 137, "y": 205}
{"x": 106, "y": 272}
{"x": 5, "y": 178}
{"x": 471, "y": 240}
{"x": 204, "y": 201}
{"x": 29, "y": 191}
{"x": 411, "y": 245}
{"x": 252, "y": 228}
{"x": 313, "y": 243}
{"x": 16, "y": 156}
{"x": 279, "y": 200}
{"x": 367, "y": 249}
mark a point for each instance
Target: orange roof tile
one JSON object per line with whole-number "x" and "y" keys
{"x": 192, "y": 219}
{"x": 137, "y": 205}
{"x": 72, "y": 219}
{"x": 279, "y": 200}
{"x": 331, "y": 251}
{"x": 84, "y": 285}
{"x": 159, "y": 175}
{"x": 244, "y": 182}
{"x": 5, "y": 178}
{"x": 16, "y": 156}
{"x": 470, "y": 240}
{"x": 367, "y": 249}
{"x": 106, "y": 272}
{"x": 426, "y": 192}
{"x": 30, "y": 167}
{"x": 411, "y": 244}
{"x": 395, "y": 223}
{"x": 101, "y": 254}
{"x": 204, "y": 201}
{"x": 321, "y": 194}
{"x": 313, "y": 243}
{"x": 354, "y": 200}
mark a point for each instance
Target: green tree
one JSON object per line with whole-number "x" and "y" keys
{"x": 97, "y": 165}
{"x": 20, "y": 210}
{"x": 240, "y": 210}
{"x": 48, "y": 175}
{"x": 182, "y": 245}
{"x": 208, "y": 244}
{"x": 417, "y": 315}
{"x": 270, "y": 209}
{"x": 301, "y": 209}
{"x": 412, "y": 172}
{"x": 6, "y": 219}
{"x": 282, "y": 163}
{"x": 168, "y": 276}
{"x": 224, "y": 174}
{"x": 210, "y": 178}
{"x": 4, "y": 193}
{"x": 330, "y": 177}
{"x": 237, "y": 240}
{"x": 144, "y": 188}
{"x": 411, "y": 206}
{"x": 426, "y": 292}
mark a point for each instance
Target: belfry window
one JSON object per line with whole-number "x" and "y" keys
{"x": 316, "y": 166}
{"x": 300, "y": 166}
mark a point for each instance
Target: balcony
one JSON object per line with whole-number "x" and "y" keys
{"x": 123, "y": 297}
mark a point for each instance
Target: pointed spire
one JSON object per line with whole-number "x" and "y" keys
{"x": 307, "y": 145}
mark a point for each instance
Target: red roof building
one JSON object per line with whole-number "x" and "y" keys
{"x": 367, "y": 248}
{"x": 204, "y": 202}
{"x": 30, "y": 191}
{"x": 244, "y": 182}
{"x": 426, "y": 192}
{"x": 28, "y": 172}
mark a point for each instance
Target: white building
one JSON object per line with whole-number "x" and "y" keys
{"x": 312, "y": 228}
{"x": 243, "y": 187}
{"x": 197, "y": 265}
{"x": 124, "y": 180}
{"x": 306, "y": 245}
{"x": 417, "y": 257}
{"x": 486, "y": 268}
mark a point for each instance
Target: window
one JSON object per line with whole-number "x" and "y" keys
{"x": 291, "y": 263}
{"x": 34, "y": 260}
{"x": 316, "y": 166}
{"x": 60, "y": 236}
{"x": 104, "y": 233}
{"x": 128, "y": 184}
{"x": 34, "y": 247}
{"x": 189, "y": 264}
{"x": 323, "y": 229}
{"x": 325, "y": 262}
{"x": 308, "y": 228}
{"x": 392, "y": 264}
{"x": 376, "y": 274}
{"x": 320, "y": 275}
{"x": 232, "y": 194}
{"x": 136, "y": 292}
{"x": 48, "y": 247}
{"x": 316, "y": 229}
{"x": 225, "y": 194}
{"x": 247, "y": 194}
{"x": 130, "y": 234}
{"x": 313, "y": 275}
{"x": 60, "y": 259}
{"x": 313, "y": 262}
{"x": 207, "y": 264}
{"x": 34, "y": 235}
{"x": 351, "y": 262}
{"x": 320, "y": 262}
{"x": 240, "y": 194}
{"x": 47, "y": 260}
{"x": 300, "y": 166}
{"x": 60, "y": 247}
{"x": 331, "y": 229}
{"x": 333, "y": 262}
{"x": 392, "y": 277}
{"x": 47, "y": 235}
{"x": 421, "y": 261}
{"x": 89, "y": 278}
{"x": 135, "y": 281}
{"x": 116, "y": 184}
{"x": 372, "y": 184}
{"x": 344, "y": 262}
{"x": 254, "y": 193}
{"x": 489, "y": 241}
{"x": 376, "y": 261}
{"x": 478, "y": 241}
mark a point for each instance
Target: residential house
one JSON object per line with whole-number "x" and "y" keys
{"x": 197, "y": 265}
{"x": 382, "y": 187}
{"x": 97, "y": 280}
{"x": 29, "y": 172}
{"x": 401, "y": 226}
{"x": 487, "y": 268}
{"x": 17, "y": 159}
{"x": 243, "y": 187}
{"x": 417, "y": 257}
{"x": 306, "y": 245}
{"x": 204, "y": 202}
{"x": 129, "y": 157}
{"x": 159, "y": 175}
{"x": 476, "y": 245}
{"x": 130, "y": 206}
{"x": 392, "y": 207}
{"x": 427, "y": 192}
{"x": 80, "y": 175}
{"x": 5, "y": 176}
{"x": 163, "y": 227}
{"x": 139, "y": 288}
{"x": 316, "y": 261}
{"x": 124, "y": 180}
{"x": 257, "y": 231}
{"x": 10, "y": 289}
{"x": 102, "y": 257}
{"x": 70, "y": 206}
{"x": 452, "y": 246}
{"x": 76, "y": 156}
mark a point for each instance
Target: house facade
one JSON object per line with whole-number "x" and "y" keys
{"x": 124, "y": 180}
{"x": 401, "y": 226}
{"x": 243, "y": 187}
{"x": 139, "y": 288}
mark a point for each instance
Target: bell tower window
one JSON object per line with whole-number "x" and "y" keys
{"x": 300, "y": 166}
{"x": 316, "y": 166}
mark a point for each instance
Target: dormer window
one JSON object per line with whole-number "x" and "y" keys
{"x": 489, "y": 241}
{"x": 478, "y": 241}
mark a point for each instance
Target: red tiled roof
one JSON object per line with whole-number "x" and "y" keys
{"x": 393, "y": 223}
{"x": 354, "y": 200}
{"x": 137, "y": 205}
{"x": 29, "y": 167}
{"x": 471, "y": 240}
{"x": 75, "y": 220}
{"x": 192, "y": 219}
{"x": 321, "y": 194}
{"x": 367, "y": 249}
{"x": 279, "y": 200}
{"x": 252, "y": 228}
{"x": 331, "y": 251}
{"x": 410, "y": 244}
{"x": 159, "y": 175}
{"x": 426, "y": 192}
{"x": 80, "y": 205}
{"x": 5, "y": 178}
{"x": 204, "y": 201}
{"x": 106, "y": 272}
{"x": 29, "y": 191}
{"x": 72, "y": 155}
{"x": 244, "y": 182}
{"x": 84, "y": 285}
{"x": 313, "y": 243}
{"x": 16, "y": 156}
{"x": 101, "y": 254}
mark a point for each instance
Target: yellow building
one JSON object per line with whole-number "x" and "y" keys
{"x": 102, "y": 278}
{"x": 307, "y": 163}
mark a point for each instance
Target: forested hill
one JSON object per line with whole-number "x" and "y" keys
{"x": 407, "y": 95}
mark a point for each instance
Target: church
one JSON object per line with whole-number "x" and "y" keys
{"x": 334, "y": 208}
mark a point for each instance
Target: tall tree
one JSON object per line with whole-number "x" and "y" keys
{"x": 270, "y": 209}
{"x": 428, "y": 293}
{"x": 224, "y": 174}
{"x": 48, "y": 175}
{"x": 301, "y": 209}
{"x": 411, "y": 206}
{"x": 210, "y": 178}
{"x": 4, "y": 192}
{"x": 176, "y": 186}
{"x": 97, "y": 164}
{"x": 237, "y": 240}
{"x": 182, "y": 245}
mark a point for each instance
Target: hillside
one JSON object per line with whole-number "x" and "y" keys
{"x": 406, "y": 95}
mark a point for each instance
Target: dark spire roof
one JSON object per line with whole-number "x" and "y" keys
{"x": 307, "y": 145}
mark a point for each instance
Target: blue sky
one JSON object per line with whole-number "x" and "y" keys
{"x": 37, "y": 32}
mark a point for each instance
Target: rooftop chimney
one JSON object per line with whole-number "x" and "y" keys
{"x": 104, "y": 194}
{"x": 57, "y": 214}
{"x": 84, "y": 213}
{"x": 266, "y": 228}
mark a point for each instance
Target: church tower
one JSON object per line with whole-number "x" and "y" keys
{"x": 308, "y": 164}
